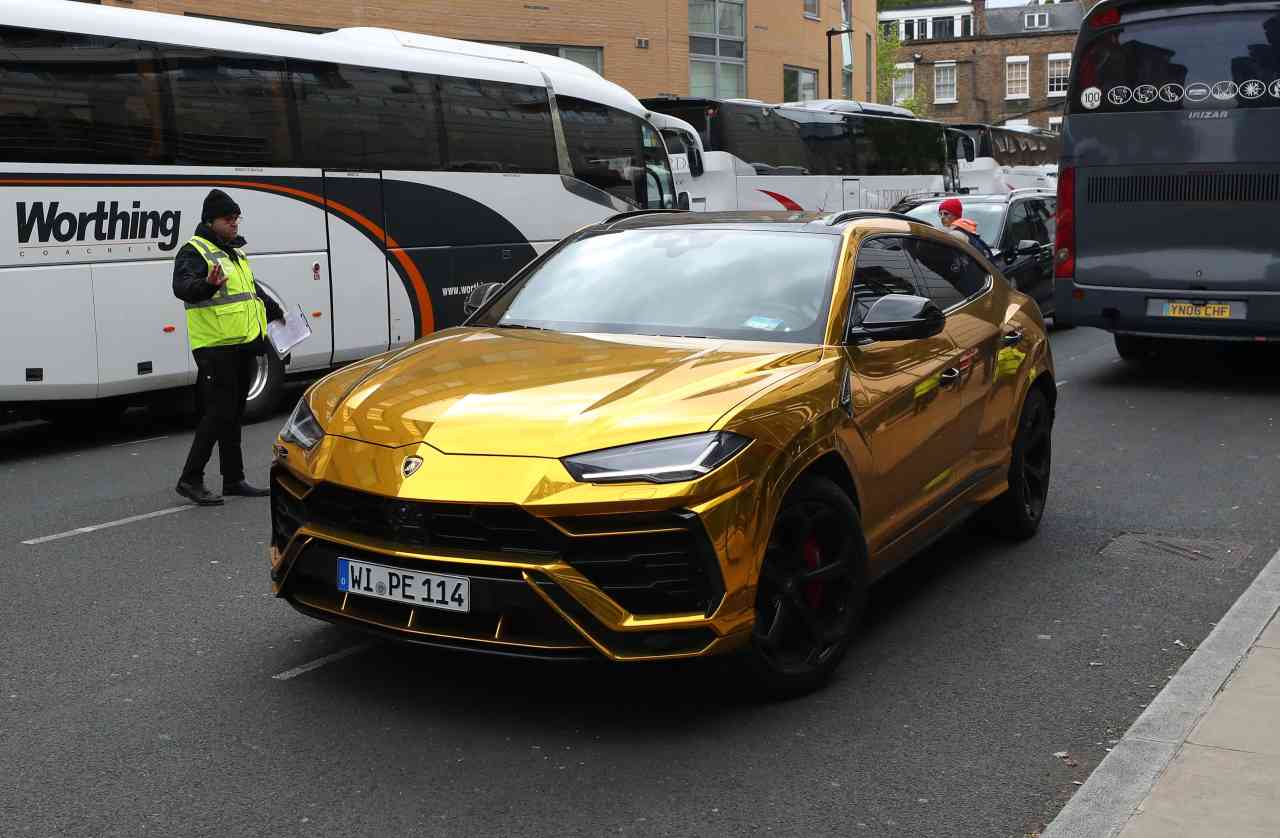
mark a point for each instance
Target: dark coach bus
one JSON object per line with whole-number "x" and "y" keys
{"x": 1169, "y": 182}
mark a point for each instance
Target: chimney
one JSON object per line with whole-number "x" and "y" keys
{"x": 979, "y": 18}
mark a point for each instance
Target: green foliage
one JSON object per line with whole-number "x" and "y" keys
{"x": 886, "y": 61}
{"x": 890, "y": 5}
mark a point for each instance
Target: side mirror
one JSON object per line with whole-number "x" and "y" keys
{"x": 479, "y": 296}
{"x": 1028, "y": 247}
{"x": 900, "y": 317}
{"x": 695, "y": 162}
{"x": 682, "y": 201}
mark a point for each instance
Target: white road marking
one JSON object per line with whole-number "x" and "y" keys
{"x": 95, "y": 527}
{"x": 319, "y": 662}
{"x": 139, "y": 441}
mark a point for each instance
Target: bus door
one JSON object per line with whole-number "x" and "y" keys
{"x": 852, "y": 193}
{"x": 357, "y": 264}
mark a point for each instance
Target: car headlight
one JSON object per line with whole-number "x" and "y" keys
{"x": 302, "y": 428}
{"x": 673, "y": 460}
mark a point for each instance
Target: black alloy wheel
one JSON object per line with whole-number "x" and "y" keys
{"x": 812, "y": 589}
{"x": 1017, "y": 513}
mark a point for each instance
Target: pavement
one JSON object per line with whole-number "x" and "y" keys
{"x": 150, "y": 685}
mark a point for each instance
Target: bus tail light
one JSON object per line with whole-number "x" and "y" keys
{"x": 1064, "y": 243}
{"x": 1105, "y": 18}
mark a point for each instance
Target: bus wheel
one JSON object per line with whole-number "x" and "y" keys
{"x": 264, "y": 387}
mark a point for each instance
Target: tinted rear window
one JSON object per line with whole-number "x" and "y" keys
{"x": 1212, "y": 61}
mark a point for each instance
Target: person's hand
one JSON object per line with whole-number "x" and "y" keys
{"x": 216, "y": 277}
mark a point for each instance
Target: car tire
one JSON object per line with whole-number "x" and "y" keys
{"x": 1136, "y": 348}
{"x": 265, "y": 387}
{"x": 804, "y": 626}
{"x": 1017, "y": 513}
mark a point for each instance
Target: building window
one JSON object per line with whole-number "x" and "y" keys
{"x": 1055, "y": 123}
{"x": 1017, "y": 81}
{"x": 868, "y": 55}
{"x": 966, "y": 26}
{"x": 1059, "y": 73}
{"x": 944, "y": 83}
{"x": 908, "y": 30}
{"x": 889, "y": 29}
{"x": 943, "y": 27}
{"x": 590, "y": 57}
{"x": 904, "y": 85}
{"x": 717, "y": 49}
{"x": 1035, "y": 20}
{"x": 799, "y": 84}
{"x": 811, "y": 9}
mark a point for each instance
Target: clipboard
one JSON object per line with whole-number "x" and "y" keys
{"x": 293, "y": 331}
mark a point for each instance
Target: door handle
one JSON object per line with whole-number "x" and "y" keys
{"x": 949, "y": 376}
{"x": 1011, "y": 338}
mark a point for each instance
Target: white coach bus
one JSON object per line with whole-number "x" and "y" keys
{"x": 381, "y": 175}
{"x": 1010, "y": 158}
{"x": 822, "y": 156}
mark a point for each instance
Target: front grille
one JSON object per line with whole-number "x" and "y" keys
{"x": 420, "y": 524}
{"x": 651, "y": 563}
{"x": 1239, "y": 187}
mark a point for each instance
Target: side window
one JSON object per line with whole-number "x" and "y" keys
{"x": 365, "y": 118}
{"x": 1049, "y": 209}
{"x": 674, "y": 140}
{"x": 229, "y": 108}
{"x": 1020, "y": 226}
{"x": 1038, "y": 213}
{"x": 605, "y": 147}
{"x": 73, "y": 98}
{"x": 882, "y": 269}
{"x": 495, "y": 127}
{"x": 948, "y": 274}
{"x": 660, "y": 184}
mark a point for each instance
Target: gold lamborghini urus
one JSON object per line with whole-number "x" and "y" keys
{"x": 672, "y": 435}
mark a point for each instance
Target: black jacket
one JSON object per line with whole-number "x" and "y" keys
{"x": 190, "y": 271}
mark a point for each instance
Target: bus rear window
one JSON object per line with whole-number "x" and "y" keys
{"x": 1171, "y": 64}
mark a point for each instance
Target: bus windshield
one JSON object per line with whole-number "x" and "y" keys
{"x": 1170, "y": 64}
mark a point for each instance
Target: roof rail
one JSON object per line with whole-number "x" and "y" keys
{"x": 623, "y": 216}
{"x": 857, "y": 215}
{"x": 1039, "y": 189}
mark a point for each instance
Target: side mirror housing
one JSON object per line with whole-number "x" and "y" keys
{"x": 682, "y": 201}
{"x": 479, "y": 296}
{"x": 900, "y": 317}
{"x": 1027, "y": 247}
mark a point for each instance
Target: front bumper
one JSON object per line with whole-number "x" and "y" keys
{"x": 625, "y": 587}
{"x": 1126, "y": 310}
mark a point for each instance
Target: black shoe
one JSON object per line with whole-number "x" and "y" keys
{"x": 198, "y": 494}
{"x": 244, "y": 490}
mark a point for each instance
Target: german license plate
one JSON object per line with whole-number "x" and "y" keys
{"x": 411, "y": 587}
{"x": 1210, "y": 311}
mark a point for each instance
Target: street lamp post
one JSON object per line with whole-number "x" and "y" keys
{"x": 831, "y": 33}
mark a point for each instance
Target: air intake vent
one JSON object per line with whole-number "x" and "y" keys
{"x": 1185, "y": 189}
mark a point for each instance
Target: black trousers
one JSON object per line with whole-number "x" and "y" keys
{"x": 225, "y": 373}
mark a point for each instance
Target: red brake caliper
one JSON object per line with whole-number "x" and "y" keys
{"x": 813, "y": 560}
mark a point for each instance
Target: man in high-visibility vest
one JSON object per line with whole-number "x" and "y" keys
{"x": 227, "y": 318}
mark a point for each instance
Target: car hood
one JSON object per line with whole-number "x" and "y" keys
{"x": 547, "y": 394}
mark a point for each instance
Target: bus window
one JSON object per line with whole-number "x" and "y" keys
{"x": 365, "y": 118}
{"x": 605, "y": 147}
{"x": 495, "y": 127}
{"x": 228, "y": 109}
{"x": 79, "y": 99}
{"x": 660, "y": 191}
{"x": 761, "y": 138}
{"x": 675, "y": 143}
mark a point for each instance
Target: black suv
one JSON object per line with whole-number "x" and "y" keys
{"x": 1018, "y": 226}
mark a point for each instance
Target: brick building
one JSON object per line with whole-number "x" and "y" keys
{"x": 773, "y": 50}
{"x": 972, "y": 62}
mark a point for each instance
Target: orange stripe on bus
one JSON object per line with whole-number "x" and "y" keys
{"x": 425, "y": 310}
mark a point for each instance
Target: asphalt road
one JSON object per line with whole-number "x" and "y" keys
{"x": 138, "y": 697}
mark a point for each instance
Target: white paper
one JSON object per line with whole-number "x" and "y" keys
{"x": 293, "y": 331}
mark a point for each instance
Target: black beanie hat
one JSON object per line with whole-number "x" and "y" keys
{"x": 218, "y": 204}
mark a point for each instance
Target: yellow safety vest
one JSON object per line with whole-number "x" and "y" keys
{"x": 234, "y": 314}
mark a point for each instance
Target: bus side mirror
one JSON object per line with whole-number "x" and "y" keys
{"x": 683, "y": 202}
{"x": 967, "y": 149}
{"x": 479, "y": 296}
{"x": 695, "y": 162}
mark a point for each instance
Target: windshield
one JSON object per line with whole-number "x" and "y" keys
{"x": 1170, "y": 64}
{"x": 988, "y": 217}
{"x": 688, "y": 282}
